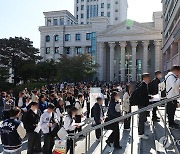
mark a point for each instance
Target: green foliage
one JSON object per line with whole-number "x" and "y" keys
{"x": 76, "y": 68}
{"x": 16, "y": 51}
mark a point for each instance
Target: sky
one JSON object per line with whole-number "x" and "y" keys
{"x": 23, "y": 17}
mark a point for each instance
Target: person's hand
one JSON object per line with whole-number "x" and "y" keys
{"x": 50, "y": 124}
{"x": 77, "y": 126}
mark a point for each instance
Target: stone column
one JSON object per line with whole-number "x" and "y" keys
{"x": 123, "y": 57}
{"x": 100, "y": 60}
{"x": 158, "y": 54}
{"x": 134, "y": 45}
{"x": 145, "y": 56}
{"x": 72, "y": 50}
{"x": 112, "y": 46}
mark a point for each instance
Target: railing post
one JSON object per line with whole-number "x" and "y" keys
{"x": 165, "y": 120}
{"x": 89, "y": 140}
{"x": 73, "y": 146}
{"x": 101, "y": 140}
{"x": 132, "y": 134}
{"x": 86, "y": 145}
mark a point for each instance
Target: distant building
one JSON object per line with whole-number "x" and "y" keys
{"x": 171, "y": 33}
{"x": 124, "y": 50}
{"x": 115, "y": 10}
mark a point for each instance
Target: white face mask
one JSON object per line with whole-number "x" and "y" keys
{"x": 35, "y": 111}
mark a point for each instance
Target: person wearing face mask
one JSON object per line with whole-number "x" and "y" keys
{"x": 153, "y": 90}
{"x": 12, "y": 133}
{"x": 114, "y": 112}
{"x": 31, "y": 121}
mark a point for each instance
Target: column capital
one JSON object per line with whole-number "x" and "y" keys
{"x": 134, "y": 44}
{"x": 123, "y": 44}
{"x": 157, "y": 42}
{"x": 112, "y": 44}
{"x": 101, "y": 44}
{"x": 145, "y": 43}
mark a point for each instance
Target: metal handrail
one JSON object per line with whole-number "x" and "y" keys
{"x": 83, "y": 132}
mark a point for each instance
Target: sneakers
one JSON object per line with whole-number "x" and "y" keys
{"x": 144, "y": 137}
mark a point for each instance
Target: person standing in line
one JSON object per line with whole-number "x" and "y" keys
{"x": 43, "y": 104}
{"x": 79, "y": 106}
{"x": 154, "y": 90}
{"x": 112, "y": 114}
{"x": 12, "y": 133}
{"x": 60, "y": 111}
{"x": 126, "y": 106}
{"x": 143, "y": 101}
{"x": 70, "y": 127}
{"x": 47, "y": 127}
{"x": 31, "y": 121}
{"x": 98, "y": 115}
{"x": 172, "y": 89}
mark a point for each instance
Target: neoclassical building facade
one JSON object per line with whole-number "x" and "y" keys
{"x": 123, "y": 51}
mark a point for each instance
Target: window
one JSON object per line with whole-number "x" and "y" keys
{"x": 55, "y": 22}
{"x": 108, "y": 6}
{"x": 82, "y": 15}
{"x": 79, "y": 50}
{"x": 102, "y": 13}
{"x": 78, "y": 37}
{"x": 62, "y": 21}
{"x": 56, "y": 37}
{"x": 102, "y": 5}
{"x": 47, "y": 38}
{"x": 67, "y": 37}
{"x": 116, "y": 18}
{"x": 56, "y": 50}
{"x": 82, "y": 7}
{"x": 88, "y": 36}
{"x": 109, "y": 14}
{"x": 48, "y": 22}
{"x": 82, "y": 23}
{"x": 116, "y": 2}
{"x": 77, "y": 9}
{"x": 48, "y": 50}
{"x": 89, "y": 50}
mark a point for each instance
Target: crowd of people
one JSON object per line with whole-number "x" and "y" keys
{"x": 40, "y": 113}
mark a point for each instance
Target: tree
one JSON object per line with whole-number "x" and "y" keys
{"x": 16, "y": 51}
{"x": 46, "y": 70}
{"x": 78, "y": 68}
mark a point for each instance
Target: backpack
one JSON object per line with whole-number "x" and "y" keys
{"x": 162, "y": 87}
{"x": 134, "y": 97}
{"x": 92, "y": 112}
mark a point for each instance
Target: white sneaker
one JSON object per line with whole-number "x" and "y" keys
{"x": 144, "y": 137}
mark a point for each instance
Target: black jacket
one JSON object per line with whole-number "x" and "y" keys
{"x": 97, "y": 110}
{"x": 31, "y": 120}
{"x": 112, "y": 113}
{"x": 143, "y": 95}
{"x": 153, "y": 86}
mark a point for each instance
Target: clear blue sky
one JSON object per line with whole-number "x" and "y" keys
{"x": 23, "y": 17}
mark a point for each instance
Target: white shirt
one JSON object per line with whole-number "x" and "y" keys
{"x": 69, "y": 123}
{"x": 173, "y": 84}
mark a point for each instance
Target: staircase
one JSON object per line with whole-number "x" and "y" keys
{"x": 130, "y": 142}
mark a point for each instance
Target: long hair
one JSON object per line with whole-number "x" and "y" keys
{"x": 113, "y": 96}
